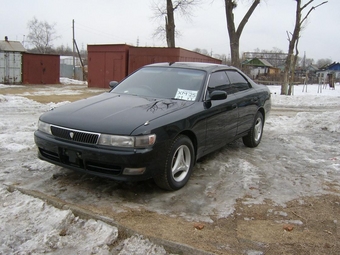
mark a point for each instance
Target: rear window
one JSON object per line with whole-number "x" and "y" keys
{"x": 238, "y": 81}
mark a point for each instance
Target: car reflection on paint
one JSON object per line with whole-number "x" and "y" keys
{"x": 155, "y": 123}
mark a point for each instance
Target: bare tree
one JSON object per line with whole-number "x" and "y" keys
{"x": 167, "y": 11}
{"x": 323, "y": 62}
{"x": 235, "y": 34}
{"x": 64, "y": 50}
{"x": 202, "y": 51}
{"x": 293, "y": 39}
{"x": 223, "y": 58}
{"x": 304, "y": 62}
{"x": 41, "y": 35}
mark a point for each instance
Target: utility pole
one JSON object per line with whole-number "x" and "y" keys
{"x": 73, "y": 51}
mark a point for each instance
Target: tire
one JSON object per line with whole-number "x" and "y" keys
{"x": 178, "y": 166}
{"x": 254, "y": 136}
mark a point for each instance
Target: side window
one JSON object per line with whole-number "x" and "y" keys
{"x": 238, "y": 81}
{"x": 219, "y": 81}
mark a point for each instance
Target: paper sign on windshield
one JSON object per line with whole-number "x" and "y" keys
{"x": 189, "y": 95}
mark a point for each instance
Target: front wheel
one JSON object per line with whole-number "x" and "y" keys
{"x": 178, "y": 165}
{"x": 254, "y": 136}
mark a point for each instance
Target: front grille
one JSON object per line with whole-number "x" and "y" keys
{"x": 75, "y": 135}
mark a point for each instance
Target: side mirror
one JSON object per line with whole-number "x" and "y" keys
{"x": 215, "y": 95}
{"x": 218, "y": 95}
{"x": 113, "y": 84}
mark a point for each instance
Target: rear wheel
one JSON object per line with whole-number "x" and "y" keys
{"x": 178, "y": 165}
{"x": 254, "y": 136}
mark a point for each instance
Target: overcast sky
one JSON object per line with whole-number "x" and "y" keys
{"x": 126, "y": 21}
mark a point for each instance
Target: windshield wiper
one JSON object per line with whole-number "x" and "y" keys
{"x": 173, "y": 98}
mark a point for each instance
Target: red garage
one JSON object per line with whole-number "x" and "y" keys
{"x": 115, "y": 61}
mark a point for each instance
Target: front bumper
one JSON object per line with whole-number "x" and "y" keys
{"x": 99, "y": 160}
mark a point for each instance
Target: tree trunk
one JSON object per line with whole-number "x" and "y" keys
{"x": 289, "y": 61}
{"x": 234, "y": 35}
{"x": 293, "y": 42}
{"x": 292, "y": 78}
{"x": 170, "y": 24}
{"x": 235, "y": 52}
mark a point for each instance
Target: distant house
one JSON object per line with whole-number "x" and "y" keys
{"x": 309, "y": 72}
{"x": 312, "y": 68}
{"x": 259, "y": 67}
{"x": 11, "y": 61}
{"x": 331, "y": 69}
{"x": 11, "y": 46}
{"x": 301, "y": 71}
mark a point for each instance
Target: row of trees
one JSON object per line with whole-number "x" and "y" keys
{"x": 236, "y": 32}
{"x": 41, "y": 34}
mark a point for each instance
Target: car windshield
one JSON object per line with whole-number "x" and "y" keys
{"x": 163, "y": 82}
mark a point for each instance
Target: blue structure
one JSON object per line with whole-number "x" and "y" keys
{"x": 333, "y": 69}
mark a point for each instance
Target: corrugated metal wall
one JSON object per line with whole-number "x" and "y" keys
{"x": 40, "y": 69}
{"x": 115, "y": 61}
{"x": 106, "y": 63}
{"x": 191, "y": 56}
{"x": 10, "y": 67}
{"x": 67, "y": 72}
{"x": 140, "y": 56}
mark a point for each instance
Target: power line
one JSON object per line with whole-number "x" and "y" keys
{"x": 97, "y": 31}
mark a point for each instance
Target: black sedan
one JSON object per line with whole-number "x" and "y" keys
{"x": 155, "y": 123}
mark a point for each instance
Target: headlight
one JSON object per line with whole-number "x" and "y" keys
{"x": 44, "y": 127}
{"x": 127, "y": 141}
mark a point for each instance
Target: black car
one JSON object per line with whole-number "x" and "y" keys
{"x": 155, "y": 123}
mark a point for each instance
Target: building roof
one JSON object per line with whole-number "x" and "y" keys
{"x": 332, "y": 67}
{"x": 312, "y": 68}
{"x": 257, "y": 62}
{"x": 13, "y": 46}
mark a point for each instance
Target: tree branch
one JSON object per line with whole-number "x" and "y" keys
{"x": 303, "y": 7}
{"x": 311, "y": 9}
{"x": 246, "y": 17}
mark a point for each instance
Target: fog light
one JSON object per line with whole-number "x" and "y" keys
{"x": 134, "y": 171}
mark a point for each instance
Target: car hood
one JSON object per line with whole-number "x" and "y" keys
{"x": 112, "y": 113}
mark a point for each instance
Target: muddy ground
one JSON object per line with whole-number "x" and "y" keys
{"x": 307, "y": 225}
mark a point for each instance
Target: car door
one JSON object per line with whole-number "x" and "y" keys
{"x": 222, "y": 115}
{"x": 246, "y": 100}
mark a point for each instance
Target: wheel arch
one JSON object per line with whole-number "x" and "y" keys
{"x": 262, "y": 111}
{"x": 193, "y": 139}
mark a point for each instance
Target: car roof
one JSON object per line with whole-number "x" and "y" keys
{"x": 209, "y": 67}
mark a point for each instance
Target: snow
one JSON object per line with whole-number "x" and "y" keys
{"x": 67, "y": 81}
{"x": 311, "y": 98}
{"x": 30, "y": 226}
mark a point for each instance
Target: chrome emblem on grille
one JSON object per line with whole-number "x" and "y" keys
{"x": 71, "y": 135}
